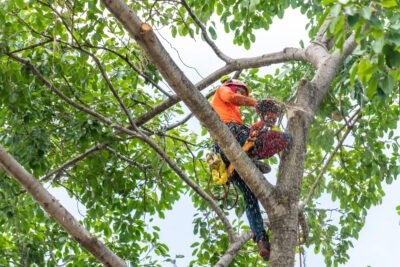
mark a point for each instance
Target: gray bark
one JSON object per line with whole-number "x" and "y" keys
{"x": 50, "y": 204}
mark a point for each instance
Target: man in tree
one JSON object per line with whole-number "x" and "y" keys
{"x": 228, "y": 97}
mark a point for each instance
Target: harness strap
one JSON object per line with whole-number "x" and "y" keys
{"x": 246, "y": 147}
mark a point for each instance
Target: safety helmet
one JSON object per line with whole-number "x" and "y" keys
{"x": 233, "y": 83}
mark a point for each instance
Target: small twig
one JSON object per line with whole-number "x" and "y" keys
{"x": 184, "y": 120}
{"x": 132, "y": 162}
{"x": 125, "y": 58}
{"x": 72, "y": 162}
{"x": 31, "y": 46}
{"x": 325, "y": 167}
{"x": 214, "y": 47}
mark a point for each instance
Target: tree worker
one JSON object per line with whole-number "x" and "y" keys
{"x": 227, "y": 99}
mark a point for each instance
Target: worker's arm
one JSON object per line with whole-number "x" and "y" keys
{"x": 236, "y": 99}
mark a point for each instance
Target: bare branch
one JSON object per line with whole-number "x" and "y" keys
{"x": 74, "y": 161}
{"x": 183, "y": 121}
{"x": 214, "y": 47}
{"x": 325, "y": 167}
{"x": 132, "y": 162}
{"x": 233, "y": 249}
{"x": 31, "y": 46}
{"x": 57, "y": 211}
{"x": 145, "y": 77}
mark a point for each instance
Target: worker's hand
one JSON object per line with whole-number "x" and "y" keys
{"x": 256, "y": 128}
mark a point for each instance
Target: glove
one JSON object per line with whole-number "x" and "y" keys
{"x": 268, "y": 110}
{"x": 256, "y": 128}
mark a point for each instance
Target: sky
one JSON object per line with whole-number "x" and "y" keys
{"x": 378, "y": 243}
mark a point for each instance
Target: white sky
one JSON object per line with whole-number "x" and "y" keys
{"x": 378, "y": 245}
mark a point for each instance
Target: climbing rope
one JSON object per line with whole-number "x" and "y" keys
{"x": 225, "y": 195}
{"x": 299, "y": 245}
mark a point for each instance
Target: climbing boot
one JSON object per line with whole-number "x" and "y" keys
{"x": 264, "y": 248}
{"x": 262, "y": 166}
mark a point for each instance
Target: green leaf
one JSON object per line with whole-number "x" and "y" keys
{"x": 366, "y": 12}
{"x": 365, "y": 70}
{"x": 353, "y": 19}
{"x": 328, "y": 2}
{"x": 20, "y": 3}
{"x": 371, "y": 87}
{"x": 174, "y": 31}
{"x": 392, "y": 56}
{"x": 387, "y": 84}
{"x": 212, "y": 32}
{"x": 394, "y": 37}
{"x": 389, "y": 3}
{"x": 377, "y": 45}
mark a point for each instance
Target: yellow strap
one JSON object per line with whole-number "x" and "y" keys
{"x": 246, "y": 147}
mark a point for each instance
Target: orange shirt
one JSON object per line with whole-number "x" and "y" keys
{"x": 226, "y": 103}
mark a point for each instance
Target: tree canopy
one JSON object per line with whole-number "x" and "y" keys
{"x": 91, "y": 101}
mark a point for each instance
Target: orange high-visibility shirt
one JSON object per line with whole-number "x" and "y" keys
{"x": 226, "y": 103}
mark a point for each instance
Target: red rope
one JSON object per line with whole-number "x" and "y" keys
{"x": 298, "y": 225}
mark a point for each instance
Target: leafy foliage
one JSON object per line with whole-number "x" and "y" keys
{"x": 88, "y": 57}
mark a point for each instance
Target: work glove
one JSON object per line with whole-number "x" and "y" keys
{"x": 256, "y": 128}
{"x": 268, "y": 111}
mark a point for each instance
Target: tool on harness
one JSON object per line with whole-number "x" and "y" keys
{"x": 220, "y": 176}
{"x": 217, "y": 168}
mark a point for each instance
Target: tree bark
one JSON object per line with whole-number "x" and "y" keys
{"x": 50, "y": 204}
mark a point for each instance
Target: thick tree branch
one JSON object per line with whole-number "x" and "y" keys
{"x": 233, "y": 249}
{"x": 348, "y": 47}
{"x": 58, "y": 212}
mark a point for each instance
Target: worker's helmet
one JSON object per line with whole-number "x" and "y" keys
{"x": 233, "y": 84}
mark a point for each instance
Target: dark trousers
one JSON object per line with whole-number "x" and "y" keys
{"x": 241, "y": 132}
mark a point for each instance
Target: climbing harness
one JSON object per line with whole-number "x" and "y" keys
{"x": 257, "y": 143}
